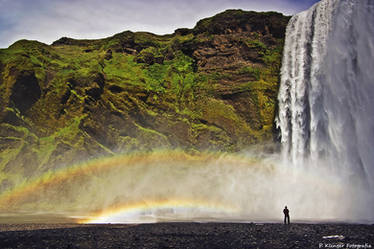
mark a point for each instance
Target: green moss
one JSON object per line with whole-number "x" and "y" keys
{"x": 258, "y": 45}
{"x": 47, "y": 145}
{"x": 155, "y": 77}
{"x": 147, "y": 40}
{"x": 9, "y": 154}
{"x": 151, "y": 138}
{"x": 253, "y": 71}
{"x": 19, "y": 129}
{"x": 77, "y": 95}
{"x": 124, "y": 70}
{"x": 217, "y": 112}
{"x": 70, "y": 131}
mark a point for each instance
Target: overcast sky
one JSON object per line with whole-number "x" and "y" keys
{"x": 48, "y": 20}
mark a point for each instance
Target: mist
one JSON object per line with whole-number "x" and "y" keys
{"x": 178, "y": 186}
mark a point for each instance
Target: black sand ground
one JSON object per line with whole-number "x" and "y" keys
{"x": 187, "y": 235}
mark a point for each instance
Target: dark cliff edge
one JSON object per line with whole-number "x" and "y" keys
{"x": 213, "y": 87}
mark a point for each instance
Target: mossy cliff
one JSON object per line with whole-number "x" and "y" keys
{"x": 211, "y": 87}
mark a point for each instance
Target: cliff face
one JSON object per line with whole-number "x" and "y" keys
{"x": 211, "y": 87}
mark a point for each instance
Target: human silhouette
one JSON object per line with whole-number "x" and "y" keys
{"x": 286, "y": 215}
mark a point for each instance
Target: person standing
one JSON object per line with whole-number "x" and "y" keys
{"x": 286, "y": 215}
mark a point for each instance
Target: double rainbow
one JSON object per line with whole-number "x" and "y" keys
{"x": 29, "y": 191}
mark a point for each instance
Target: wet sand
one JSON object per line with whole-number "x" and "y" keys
{"x": 186, "y": 235}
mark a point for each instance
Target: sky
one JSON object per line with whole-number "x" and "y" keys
{"x": 49, "y": 20}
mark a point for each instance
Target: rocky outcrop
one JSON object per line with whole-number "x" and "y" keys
{"x": 25, "y": 91}
{"x": 212, "y": 87}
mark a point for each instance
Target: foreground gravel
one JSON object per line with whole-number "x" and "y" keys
{"x": 187, "y": 235}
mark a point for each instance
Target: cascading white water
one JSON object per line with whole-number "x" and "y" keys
{"x": 326, "y": 98}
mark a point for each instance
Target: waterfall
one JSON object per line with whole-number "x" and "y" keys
{"x": 326, "y": 96}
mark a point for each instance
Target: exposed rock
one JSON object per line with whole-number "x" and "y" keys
{"x": 237, "y": 21}
{"x": 25, "y": 91}
{"x": 115, "y": 89}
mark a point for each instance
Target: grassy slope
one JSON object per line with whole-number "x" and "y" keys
{"x": 138, "y": 91}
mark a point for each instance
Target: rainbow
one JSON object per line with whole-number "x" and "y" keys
{"x": 143, "y": 211}
{"x": 28, "y": 191}
{"x": 171, "y": 185}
